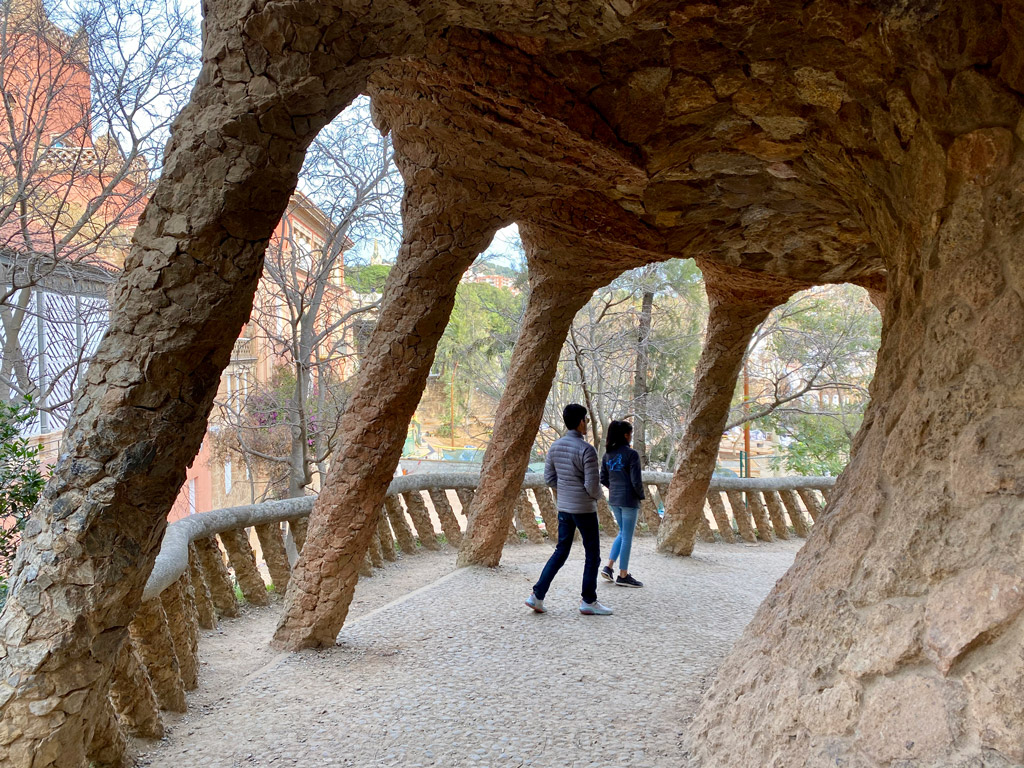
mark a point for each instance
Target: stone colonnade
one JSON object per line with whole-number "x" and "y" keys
{"x": 897, "y": 638}
{"x": 817, "y": 143}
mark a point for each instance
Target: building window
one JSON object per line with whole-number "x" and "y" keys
{"x": 227, "y": 476}
{"x": 192, "y": 496}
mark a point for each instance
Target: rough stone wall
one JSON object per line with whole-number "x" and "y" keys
{"x": 230, "y": 168}
{"x": 898, "y": 636}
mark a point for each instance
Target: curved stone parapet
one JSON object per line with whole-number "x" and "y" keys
{"x": 173, "y": 558}
{"x": 412, "y": 527}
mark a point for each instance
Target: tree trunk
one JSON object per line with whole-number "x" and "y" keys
{"x": 643, "y": 346}
{"x": 897, "y": 638}
{"x": 176, "y": 312}
{"x": 445, "y": 230}
{"x": 551, "y": 307}
{"x": 738, "y": 303}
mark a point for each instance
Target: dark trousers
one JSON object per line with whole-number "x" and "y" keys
{"x": 567, "y": 525}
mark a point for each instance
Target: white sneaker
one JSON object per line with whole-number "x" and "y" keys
{"x": 594, "y": 609}
{"x": 538, "y": 605}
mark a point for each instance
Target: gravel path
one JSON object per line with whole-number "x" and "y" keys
{"x": 460, "y": 673}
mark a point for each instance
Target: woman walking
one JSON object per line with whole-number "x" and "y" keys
{"x": 620, "y": 473}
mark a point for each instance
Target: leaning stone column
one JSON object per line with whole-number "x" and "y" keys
{"x": 897, "y": 637}
{"x": 182, "y": 621}
{"x": 721, "y": 516}
{"x": 792, "y": 505}
{"x": 417, "y": 509}
{"x": 387, "y": 541}
{"x": 774, "y": 504}
{"x": 445, "y": 227}
{"x": 554, "y": 300}
{"x": 738, "y": 302}
{"x": 231, "y": 164}
{"x": 548, "y": 513}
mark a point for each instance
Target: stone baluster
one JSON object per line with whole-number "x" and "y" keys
{"x": 376, "y": 556}
{"x": 756, "y": 507}
{"x": 774, "y": 504}
{"x": 243, "y": 562}
{"x": 274, "y": 555}
{"x": 512, "y": 537}
{"x": 403, "y": 533}
{"x": 721, "y": 516}
{"x": 449, "y": 523}
{"x": 183, "y": 624}
{"x": 660, "y": 492}
{"x": 204, "y": 603}
{"x": 218, "y": 579}
{"x": 465, "y": 496}
{"x": 742, "y": 515}
{"x": 366, "y": 566}
{"x": 155, "y": 645}
{"x": 796, "y": 515}
{"x": 548, "y": 513}
{"x": 810, "y": 500}
{"x": 527, "y": 519}
{"x": 417, "y": 509}
{"x": 704, "y": 529}
{"x": 649, "y": 511}
{"x": 298, "y": 526}
{"x": 131, "y": 693}
{"x": 387, "y": 541}
{"x": 108, "y": 747}
{"x": 605, "y": 518}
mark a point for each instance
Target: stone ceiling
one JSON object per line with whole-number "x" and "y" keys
{"x": 750, "y": 134}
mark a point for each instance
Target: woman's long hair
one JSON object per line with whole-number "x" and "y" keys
{"x": 618, "y": 435}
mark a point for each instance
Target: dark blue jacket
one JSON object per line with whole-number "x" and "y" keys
{"x": 620, "y": 472}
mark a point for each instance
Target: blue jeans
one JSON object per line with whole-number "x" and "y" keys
{"x": 567, "y": 525}
{"x": 626, "y": 518}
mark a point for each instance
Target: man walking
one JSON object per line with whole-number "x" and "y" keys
{"x": 572, "y": 470}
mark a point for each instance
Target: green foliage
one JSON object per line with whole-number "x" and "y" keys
{"x": 21, "y": 481}
{"x": 367, "y": 279}
{"x": 817, "y": 445}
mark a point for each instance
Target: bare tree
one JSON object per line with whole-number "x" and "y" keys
{"x": 303, "y": 312}
{"x": 85, "y": 116}
{"x": 820, "y": 346}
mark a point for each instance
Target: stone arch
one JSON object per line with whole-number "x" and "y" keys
{"x": 821, "y": 142}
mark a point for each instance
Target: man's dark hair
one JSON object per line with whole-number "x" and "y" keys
{"x": 573, "y": 414}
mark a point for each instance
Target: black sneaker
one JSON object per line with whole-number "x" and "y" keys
{"x": 608, "y": 574}
{"x": 628, "y": 581}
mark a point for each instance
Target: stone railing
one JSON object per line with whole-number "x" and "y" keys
{"x": 204, "y": 557}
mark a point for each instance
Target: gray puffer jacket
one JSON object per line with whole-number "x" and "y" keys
{"x": 571, "y": 468}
